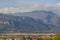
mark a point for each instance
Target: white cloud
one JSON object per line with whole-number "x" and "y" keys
{"x": 13, "y": 10}
{"x": 23, "y": 8}
{"x": 27, "y": 8}
{"x": 58, "y": 3}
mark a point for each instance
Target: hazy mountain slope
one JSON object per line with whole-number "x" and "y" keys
{"x": 36, "y": 21}
{"x": 20, "y": 24}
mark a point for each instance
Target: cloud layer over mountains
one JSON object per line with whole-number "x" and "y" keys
{"x": 31, "y": 7}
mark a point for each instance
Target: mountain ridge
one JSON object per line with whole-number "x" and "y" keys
{"x": 30, "y": 22}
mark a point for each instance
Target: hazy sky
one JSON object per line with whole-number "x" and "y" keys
{"x": 12, "y": 6}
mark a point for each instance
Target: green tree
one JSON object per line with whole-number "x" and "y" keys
{"x": 57, "y": 36}
{"x": 29, "y": 38}
{"x": 39, "y": 39}
{"x": 24, "y": 38}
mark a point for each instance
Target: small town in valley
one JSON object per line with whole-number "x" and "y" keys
{"x": 27, "y": 36}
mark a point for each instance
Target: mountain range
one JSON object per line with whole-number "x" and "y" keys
{"x": 30, "y": 22}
